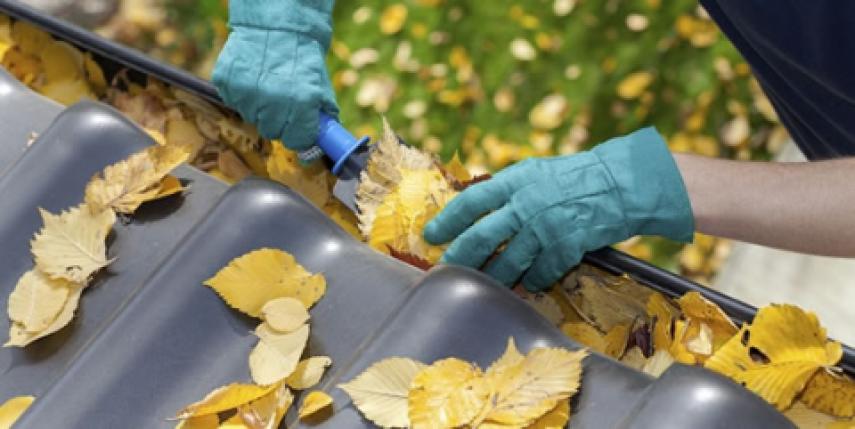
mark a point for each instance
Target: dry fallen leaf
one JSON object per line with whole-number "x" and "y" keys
{"x": 18, "y": 335}
{"x": 265, "y": 412}
{"x": 250, "y": 281}
{"x": 658, "y": 363}
{"x": 312, "y": 182}
{"x": 449, "y": 393}
{"x": 613, "y": 343}
{"x": 225, "y": 398}
{"x": 72, "y": 245}
{"x": 308, "y": 372}
{"x": 13, "y": 409}
{"x": 208, "y": 421}
{"x": 284, "y": 314}
{"x": 532, "y": 387}
{"x": 127, "y": 184}
{"x": 276, "y": 355}
{"x": 831, "y": 393}
{"x": 381, "y": 392}
{"x": 37, "y": 300}
{"x": 777, "y": 354}
{"x": 313, "y": 403}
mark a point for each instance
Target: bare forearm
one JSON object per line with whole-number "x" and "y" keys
{"x": 805, "y": 207}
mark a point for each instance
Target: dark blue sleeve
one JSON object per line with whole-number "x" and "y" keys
{"x": 802, "y": 54}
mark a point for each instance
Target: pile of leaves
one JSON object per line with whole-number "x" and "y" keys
{"x": 270, "y": 285}
{"x": 519, "y": 391}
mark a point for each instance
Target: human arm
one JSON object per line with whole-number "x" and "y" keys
{"x": 272, "y": 69}
{"x": 804, "y": 207}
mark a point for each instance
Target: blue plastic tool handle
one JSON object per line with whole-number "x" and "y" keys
{"x": 336, "y": 142}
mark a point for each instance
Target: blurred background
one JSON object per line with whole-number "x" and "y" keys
{"x": 497, "y": 81}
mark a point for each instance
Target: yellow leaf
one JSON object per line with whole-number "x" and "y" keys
{"x": 284, "y": 314}
{"x": 250, "y": 281}
{"x": 449, "y": 393}
{"x": 585, "y": 335}
{"x": 37, "y": 300}
{"x": 308, "y": 372}
{"x": 606, "y": 306}
{"x": 535, "y": 385}
{"x": 634, "y": 85}
{"x": 777, "y": 355}
{"x": 182, "y": 134}
{"x": 276, "y": 355}
{"x": 555, "y": 419}
{"x": 634, "y": 358}
{"x": 225, "y": 398}
{"x": 831, "y": 393}
{"x": 700, "y": 310}
{"x": 94, "y": 74}
{"x": 342, "y": 216}
{"x": 125, "y": 185}
{"x": 170, "y": 185}
{"x": 61, "y": 61}
{"x": 312, "y": 182}
{"x": 381, "y": 392}
{"x": 67, "y": 92}
{"x": 313, "y": 403}
{"x": 29, "y": 38}
{"x": 546, "y": 305}
{"x": 5, "y": 35}
{"x": 806, "y": 418}
{"x": 663, "y": 314}
{"x": 456, "y": 169}
{"x": 19, "y": 337}
{"x": 509, "y": 360}
{"x": 72, "y": 245}
{"x": 13, "y": 409}
{"x": 208, "y": 421}
{"x": 266, "y": 412}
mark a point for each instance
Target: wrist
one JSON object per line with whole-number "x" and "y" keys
{"x": 649, "y": 184}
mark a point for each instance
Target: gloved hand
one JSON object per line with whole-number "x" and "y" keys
{"x": 272, "y": 68}
{"x": 553, "y": 210}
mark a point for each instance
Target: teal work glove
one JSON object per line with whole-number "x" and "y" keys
{"x": 553, "y": 210}
{"x": 272, "y": 68}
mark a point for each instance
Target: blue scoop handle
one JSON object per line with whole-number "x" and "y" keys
{"x": 336, "y": 142}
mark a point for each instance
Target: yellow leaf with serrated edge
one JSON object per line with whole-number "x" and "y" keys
{"x": 125, "y": 185}
{"x": 308, "y": 372}
{"x": 555, "y": 419}
{"x": 284, "y": 314}
{"x": 18, "y": 335}
{"x": 313, "y": 181}
{"x": 266, "y": 412}
{"x": 777, "y": 354}
{"x": 13, "y": 409}
{"x": 250, "y": 281}
{"x": 313, "y": 403}
{"x": 225, "y": 398}
{"x": 37, "y": 300}
{"x": 381, "y": 392}
{"x": 72, "y": 245}
{"x": 208, "y": 421}
{"x": 276, "y": 355}
{"x": 534, "y": 386}
{"x": 831, "y": 393}
{"x": 449, "y": 393}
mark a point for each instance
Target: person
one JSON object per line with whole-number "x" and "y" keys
{"x": 549, "y": 211}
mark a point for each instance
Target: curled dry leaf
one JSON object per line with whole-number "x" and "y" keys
{"x": 276, "y": 355}
{"x": 265, "y": 412}
{"x": 284, "y": 314}
{"x": 250, "y": 281}
{"x": 13, "y": 409}
{"x": 381, "y": 392}
{"x": 72, "y": 245}
{"x": 225, "y": 398}
{"x": 777, "y": 354}
{"x": 314, "y": 403}
{"x": 308, "y": 372}
{"x": 127, "y": 184}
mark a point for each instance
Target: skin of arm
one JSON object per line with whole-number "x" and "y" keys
{"x": 806, "y": 207}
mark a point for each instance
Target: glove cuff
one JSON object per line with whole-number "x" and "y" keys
{"x": 654, "y": 197}
{"x": 310, "y": 17}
